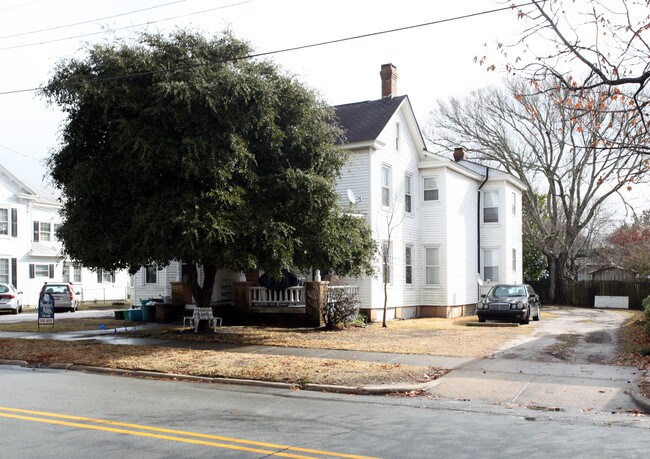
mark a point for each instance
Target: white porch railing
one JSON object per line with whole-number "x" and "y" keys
{"x": 261, "y": 296}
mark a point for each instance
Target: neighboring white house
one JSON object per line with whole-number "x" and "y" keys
{"x": 454, "y": 223}
{"x": 30, "y": 254}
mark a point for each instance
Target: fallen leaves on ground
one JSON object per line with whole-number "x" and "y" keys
{"x": 442, "y": 337}
{"x": 294, "y": 370}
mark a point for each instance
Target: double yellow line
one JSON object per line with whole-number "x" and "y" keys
{"x": 180, "y": 436}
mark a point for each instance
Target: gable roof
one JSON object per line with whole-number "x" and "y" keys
{"x": 362, "y": 121}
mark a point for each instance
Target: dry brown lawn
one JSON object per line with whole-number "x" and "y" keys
{"x": 441, "y": 337}
{"x": 294, "y": 370}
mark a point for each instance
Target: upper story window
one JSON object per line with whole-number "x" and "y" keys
{"x": 490, "y": 207}
{"x": 385, "y": 186}
{"x": 491, "y": 265}
{"x": 9, "y": 222}
{"x": 407, "y": 193}
{"x": 514, "y": 259}
{"x": 430, "y": 187}
{"x": 42, "y": 232}
{"x": 432, "y": 266}
{"x": 76, "y": 276}
{"x": 514, "y": 203}
{"x": 408, "y": 265}
{"x": 398, "y": 134}
{"x": 4, "y": 222}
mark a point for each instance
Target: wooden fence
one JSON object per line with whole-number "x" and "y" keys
{"x": 582, "y": 293}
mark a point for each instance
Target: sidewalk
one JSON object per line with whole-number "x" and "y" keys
{"x": 542, "y": 385}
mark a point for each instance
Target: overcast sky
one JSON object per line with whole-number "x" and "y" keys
{"x": 434, "y": 61}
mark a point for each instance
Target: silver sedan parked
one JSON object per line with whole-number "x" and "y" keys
{"x": 10, "y": 299}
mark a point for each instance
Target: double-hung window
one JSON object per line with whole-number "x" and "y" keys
{"x": 407, "y": 193}
{"x": 408, "y": 265}
{"x": 514, "y": 203}
{"x": 398, "y": 129}
{"x": 385, "y": 186}
{"x": 490, "y": 207}
{"x": 42, "y": 231}
{"x": 4, "y": 270}
{"x": 432, "y": 266}
{"x": 430, "y": 187}
{"x": 491, "y": 265}
{"x": 4, "y": 222}
{"x": 514, "y": 260}
{"x": 151, "y": 274}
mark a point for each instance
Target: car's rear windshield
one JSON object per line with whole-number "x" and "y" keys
{"x": 56, "y": 289}
{"x": 4, "y": 289}
{"x": 506, "y": 291}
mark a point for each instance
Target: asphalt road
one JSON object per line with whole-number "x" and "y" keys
{"x": 45, "y": 413}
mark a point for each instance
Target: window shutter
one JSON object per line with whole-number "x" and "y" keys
{"x": 14, "y": 223}
{"x": 31, "y": 270}
{"x": 36, "y": 226}
{"x": 14, "y": 272}
{"x": 51, "y": 269}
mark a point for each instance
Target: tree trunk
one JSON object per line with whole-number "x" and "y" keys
{"x": 556, "y": 267}
{"x": 202, "y": 293}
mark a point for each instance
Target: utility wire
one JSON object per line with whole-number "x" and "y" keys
{"x": 26, "y": 45}
{"x": 295, "y": 48}
{"x": 20, "y": 5}
{"x": 89, "y": 20}
{"x": 19, "y": 153}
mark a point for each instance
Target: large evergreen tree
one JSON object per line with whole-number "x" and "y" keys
{"x": 181, "y": 147}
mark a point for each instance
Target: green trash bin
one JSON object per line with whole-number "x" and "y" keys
{"x": 127, "y": 314}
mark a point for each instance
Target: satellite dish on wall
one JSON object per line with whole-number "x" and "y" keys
{"x": 479, "y": 279}
{"x": 353, "y": 197}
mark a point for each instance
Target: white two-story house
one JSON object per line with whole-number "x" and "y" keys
{"x": 454, "y": 226}
{"x": 451, "y": 228}
{"x": 30, "y": 253}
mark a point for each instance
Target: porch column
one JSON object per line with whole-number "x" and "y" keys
{"x": 315, "y": 301}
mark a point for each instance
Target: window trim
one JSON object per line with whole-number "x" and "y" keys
{"x": 398, "y": 136}
{"x": 483, "y": 266}
{"x": 425, "y": 280}
{"x": 388, "y": 168}
{"x": 408, "y": 263}
{"x": 483, "y": 207}
{"x": 408, "y": 193}
{"x": 8, "y": 222}
{"x": 514, "y": 203}
{"x": 436, "y": 179}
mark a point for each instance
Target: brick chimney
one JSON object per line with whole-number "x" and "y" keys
{"x": 388, "y": 80}
{"x": 459, "y": 154}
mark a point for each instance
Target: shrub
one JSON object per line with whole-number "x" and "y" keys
{"x": 342, "y": 307}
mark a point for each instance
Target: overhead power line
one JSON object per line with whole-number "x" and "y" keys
{"x": 296, "y": 48}
{"x": 101, "y": 32}
{"x": 20, "y": 5}
{"x": 89, "y": 20}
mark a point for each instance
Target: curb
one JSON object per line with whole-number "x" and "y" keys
{"x": 358, "y": 390}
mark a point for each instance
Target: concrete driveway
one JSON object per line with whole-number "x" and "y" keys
{"x": 567, "y": 363}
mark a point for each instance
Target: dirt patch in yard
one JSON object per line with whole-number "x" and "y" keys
{"x": 294, "y": 370}
{"x": 443, "y": 337}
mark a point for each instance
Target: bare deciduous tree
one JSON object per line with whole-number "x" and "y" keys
{"x": 557, "y": 152}
{"x": 587, "y": 45}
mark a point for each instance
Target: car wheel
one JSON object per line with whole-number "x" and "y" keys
{"x": 73, "y": 308}
{"x": 526, "y": 320}
{"x": 481, "y": 319}
{"x": 14, "y": 311}
{"x": 20, "y": 308}
{"x": 538, "y": 316}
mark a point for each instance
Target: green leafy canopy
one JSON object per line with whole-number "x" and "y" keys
{"x": 180, "y": 147}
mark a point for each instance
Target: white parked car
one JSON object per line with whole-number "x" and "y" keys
{"x": 10, "y": 299}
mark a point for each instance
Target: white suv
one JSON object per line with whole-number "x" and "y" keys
{"x": 64, "y": 295}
